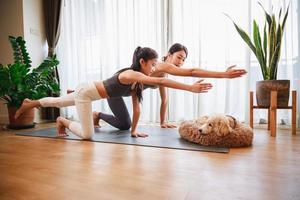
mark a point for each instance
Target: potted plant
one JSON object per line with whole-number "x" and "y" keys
{"x": 20, "y": 80}
{"x": 267, "y": 47}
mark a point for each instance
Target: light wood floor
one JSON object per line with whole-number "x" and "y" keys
{"x": 40, "y": 168}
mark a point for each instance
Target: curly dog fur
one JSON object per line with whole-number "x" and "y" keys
{"x": 217, "y": 130}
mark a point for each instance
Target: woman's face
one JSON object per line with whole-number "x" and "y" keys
{"x": 147, "y": 67}
{"x": 177, "y": 58}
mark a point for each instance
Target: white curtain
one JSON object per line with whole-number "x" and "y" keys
{"x": 99, "y": 36}
{"x": 212, "y": 45}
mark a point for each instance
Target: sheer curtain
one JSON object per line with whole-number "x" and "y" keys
{"x": 206, "y": 31}
{"x": 99, "y": 36}
{"x": 214, "y": 44}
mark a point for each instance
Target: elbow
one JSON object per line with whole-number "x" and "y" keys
{"x": 161, "y": 82}
{"x": 136, "y": 110}
{"x": 193, "y": 72}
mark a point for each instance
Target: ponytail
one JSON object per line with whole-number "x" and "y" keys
{"x": 135, "y": 59}
{"x": 146, "y": 54}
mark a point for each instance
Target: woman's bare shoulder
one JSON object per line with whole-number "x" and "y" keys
{"x": 128, "y": 76}
{"x": 161, "y": 69}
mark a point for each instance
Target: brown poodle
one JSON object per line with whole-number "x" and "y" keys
{"x": 217, "y": 130}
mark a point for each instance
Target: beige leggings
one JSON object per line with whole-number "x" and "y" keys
{"x": 82, "y": 98}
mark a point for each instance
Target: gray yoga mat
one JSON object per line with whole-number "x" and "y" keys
{"x": 158, "y": 137}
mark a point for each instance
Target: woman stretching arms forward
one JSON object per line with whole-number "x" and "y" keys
{"x": 171, "y": 64}
{"x": 126, "y": 80}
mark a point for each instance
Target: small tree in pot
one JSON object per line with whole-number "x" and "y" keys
{"x": 20, "y": 80}
{"x": 267, "y": 49}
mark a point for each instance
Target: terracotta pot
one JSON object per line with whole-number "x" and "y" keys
{"x": 264, "y": 88}
{"x": 24, "y": 121}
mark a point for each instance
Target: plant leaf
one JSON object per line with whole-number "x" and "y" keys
{"x": 272, "y": 39}
{"x": 274, "y": 63}
{"x": 259, "y": 50}
{"x": 243, "y": 35}
{"x": 265, "y": 41}
{"x": 285, "y": 17}
{"x": 268, "y": 16}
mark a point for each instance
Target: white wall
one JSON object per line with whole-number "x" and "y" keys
{"x": 22, "y": 18}
{"x": 34, "y": 34}
{"x": 11, "y": 23}
{"x": 34, "y": 31}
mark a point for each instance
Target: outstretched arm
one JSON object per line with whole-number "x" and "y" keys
{"x": 129, "y": 77}
{"x": 196, "y": 72}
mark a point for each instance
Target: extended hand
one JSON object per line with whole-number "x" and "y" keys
{"x": 167, "y": 125}
{"x": 135, "y": 134}
{"x": 234, "y": 73}
{"x": 199, "y": 87}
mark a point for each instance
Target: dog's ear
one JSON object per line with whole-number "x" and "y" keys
{"x": 224, "y": 128}
{"x": 232, "y": 121}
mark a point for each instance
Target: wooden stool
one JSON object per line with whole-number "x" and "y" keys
{"x": 272, "y": 111}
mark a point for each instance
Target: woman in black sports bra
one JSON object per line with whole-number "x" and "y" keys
{"x": 129, "y": 80}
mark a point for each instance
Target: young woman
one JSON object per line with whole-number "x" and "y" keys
{"x": 171, "y": 64}
{"x": 128, "y": 80}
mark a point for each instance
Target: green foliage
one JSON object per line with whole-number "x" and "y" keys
{"x": 266, "y": 46}
{"x": 20, "y": 52}
{"x": 20, "y": 80}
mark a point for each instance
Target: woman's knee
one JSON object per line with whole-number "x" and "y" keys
{"x": 80, "y": 92}
{"x": 126, "y": 125}
{"x": 87, "y": 135}
{"x": 81, "y": 130}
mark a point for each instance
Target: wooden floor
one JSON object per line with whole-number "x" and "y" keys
{"x": 41, "y": 168}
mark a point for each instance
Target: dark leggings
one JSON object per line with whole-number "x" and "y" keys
{"x": 121, "y": 118}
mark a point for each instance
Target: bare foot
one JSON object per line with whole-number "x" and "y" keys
{"x": 96, "y": 119}
{"x": 70, "y": 91}
{"x": 61, "y": 129}
{"x": 25, "y": 106}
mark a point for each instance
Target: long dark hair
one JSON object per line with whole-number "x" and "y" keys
{"x": 175, "y": 48}
{"x": 146, "y": 54}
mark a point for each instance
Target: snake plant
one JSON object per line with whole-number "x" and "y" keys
{"x": 266, "y": 46}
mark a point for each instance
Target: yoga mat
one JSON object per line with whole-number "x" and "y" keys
{"x": 158, "y": 137}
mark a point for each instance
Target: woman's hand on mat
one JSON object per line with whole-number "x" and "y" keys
{"x": 135, "y": 134}
{"x": 96, "y": 118}
{"x": 199, "y": 87}
{"x": 165, "y": 125}
{"x": 234, "y": 73}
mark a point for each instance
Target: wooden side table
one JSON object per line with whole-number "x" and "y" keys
{"x": 272, "y": 111}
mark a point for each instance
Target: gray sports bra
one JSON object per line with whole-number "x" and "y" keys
{"x": 115, "y": 88}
